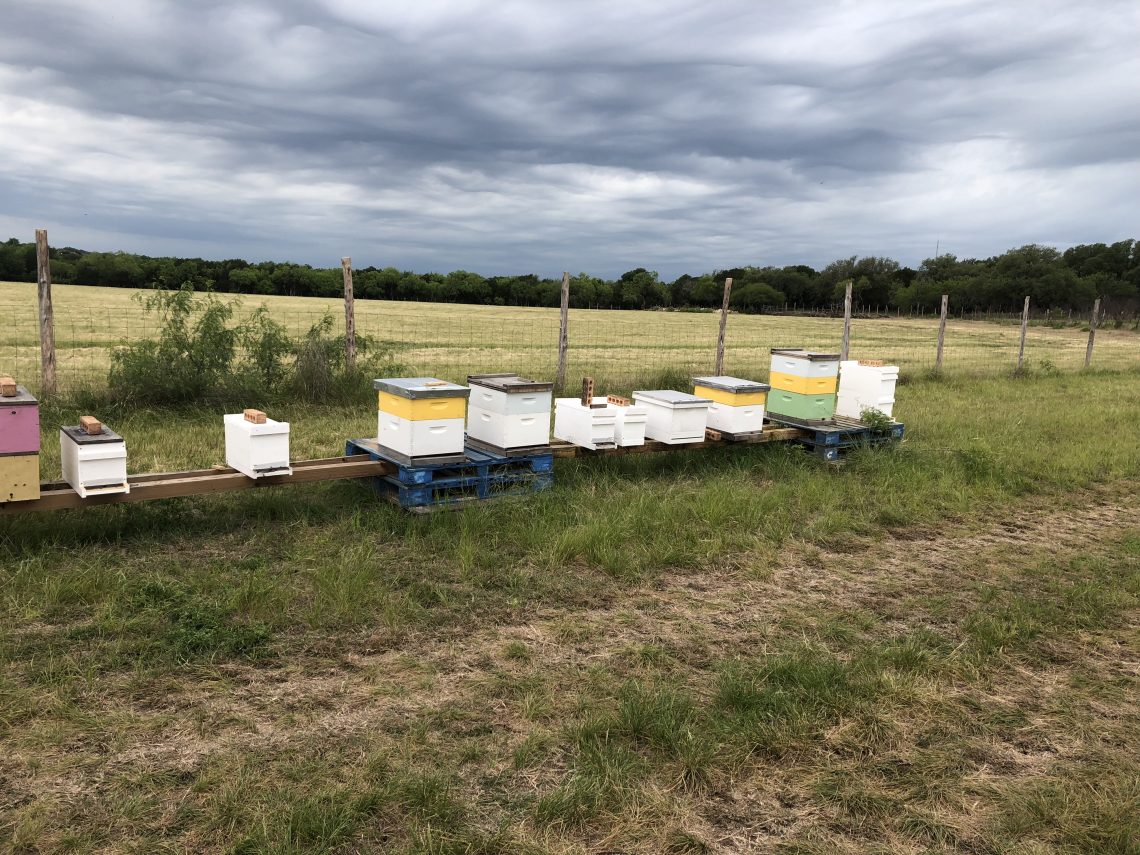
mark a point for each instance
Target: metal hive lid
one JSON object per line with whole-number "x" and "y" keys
{"x": 420, "y": 387}
{"x": 800, "y": 353}
{"x": 23, "y": 398}
{"x": 80, "y": 437}
{"x": 512, "y": 384}
{"x": 731, "y": 384}
{"x": 673, "y": 398}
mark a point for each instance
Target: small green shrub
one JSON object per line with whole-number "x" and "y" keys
{"x": 200, "y": 356}
{"x": 876, "y": 420}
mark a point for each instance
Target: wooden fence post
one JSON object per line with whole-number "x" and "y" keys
{"x": 846, "y": 321}
{"x": 47, "y": 316}
{"x": 563, "y": 331}
{"x": 1024, "y": 325}
{"x": 941, "y": 332}
{"x": 723, "y": 324}
{"x": 1092, "y": 332}
{"x": 349, "y": 315}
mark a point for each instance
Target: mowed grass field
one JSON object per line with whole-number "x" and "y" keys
{"x": 616, "y": 347}
{"x": 931, "y": 649}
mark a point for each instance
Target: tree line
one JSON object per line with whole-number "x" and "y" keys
{"x": 1052, "y": 279}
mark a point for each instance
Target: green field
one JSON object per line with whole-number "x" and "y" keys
{"x": 931, "y": 649}
{"x": 617, "y": 347}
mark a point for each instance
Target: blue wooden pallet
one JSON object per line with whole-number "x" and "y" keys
{"x": 830, "y": 441}
{"x": 480, "y": 477}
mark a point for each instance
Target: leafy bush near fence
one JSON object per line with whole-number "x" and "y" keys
{"x": 202, "y": 355}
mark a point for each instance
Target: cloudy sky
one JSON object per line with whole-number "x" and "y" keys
{"x": 542, "y": 136}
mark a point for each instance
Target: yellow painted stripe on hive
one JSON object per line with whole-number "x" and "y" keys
{"x": 422, "y": 409}
{"x": 19, "y": 477}
{"x": 803, "y": 385}
{"x": 730, "y": 399}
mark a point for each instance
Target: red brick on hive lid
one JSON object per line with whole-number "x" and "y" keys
{"x": 257, "y": 417}
{"x": 91, "y": 425}
{"x": 8, "y": 386}
{"x": 872, "y": 363}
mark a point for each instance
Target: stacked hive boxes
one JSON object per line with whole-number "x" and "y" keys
{"x": 737, "y": 405}
{"x": 673, "y": 417}
{"x": 509, "y": 413}
{"x": 803, "y": 384}
{"x": 256, "y": 445}
{"x": 93, "y": 458}
{"x": 866, "y": 386}
{"x": 421, "y": 419}
{"x": 19, "y": 443}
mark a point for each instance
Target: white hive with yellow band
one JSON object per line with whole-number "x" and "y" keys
{"x": 737, "y": 406}
{"x": 803, "y": 384}
{"x": 421, "y": 419}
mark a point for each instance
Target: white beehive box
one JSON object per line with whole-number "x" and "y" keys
{"x": 673, "y": 417}
{"x": 419, "y": 438}
{"x": 94, "y": 464}
{"x": 629, "y": 423}
{"x": 804, "y": 363}
{"x": 257, "y": 449}
{"x": 863, "y": 387}
{"x": 588, "y": 427}
{"x": 508, "y": 412}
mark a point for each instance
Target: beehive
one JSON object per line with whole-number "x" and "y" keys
{"x": 93, "y": 458}
{"x": 737, "y": 406}
{"x": 257, "y": 446}
{"x": 673, "y": 417}
{"x": 421, "y": 418}
{"x": 588, "y": 427}
{"x": 19, "y": 443}
{"x": 509, "y": 412}
{"x": 630, "y": 421}
{"x": 803, "y": 384}
{"x": 866, "y": 386}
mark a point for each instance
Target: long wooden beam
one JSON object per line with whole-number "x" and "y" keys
{"x": 57, "y": 495}
{"x": 566, "y": 449}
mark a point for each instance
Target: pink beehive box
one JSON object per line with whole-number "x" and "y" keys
{"x": 19, "y": 423}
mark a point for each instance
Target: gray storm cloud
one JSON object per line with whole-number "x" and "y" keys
{"x": 514, "y": 137}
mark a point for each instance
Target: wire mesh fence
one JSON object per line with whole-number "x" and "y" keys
{"x": 618, "y": 348}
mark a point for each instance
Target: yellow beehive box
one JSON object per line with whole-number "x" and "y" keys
{"x": 422, "y": 409}
{"x": 19, "y": 477}
{"x": 731, "y": 391}
{"x": 804, "y": 385}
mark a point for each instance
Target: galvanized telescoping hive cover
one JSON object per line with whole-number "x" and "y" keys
{"x": 673, "y": 398}
{"x": 420, "y": 387}
{"x": 800, "y": 353}
{"x": 731, "y": 384}
{"x": 80, "y": 437}
{"x": 22, "y": 398}
{"x": 509, "y": 383}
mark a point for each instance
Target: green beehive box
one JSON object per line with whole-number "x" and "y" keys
{"x": 797, "y": 406}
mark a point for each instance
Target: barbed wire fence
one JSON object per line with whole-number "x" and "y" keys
{"x": 619, "y": 348}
